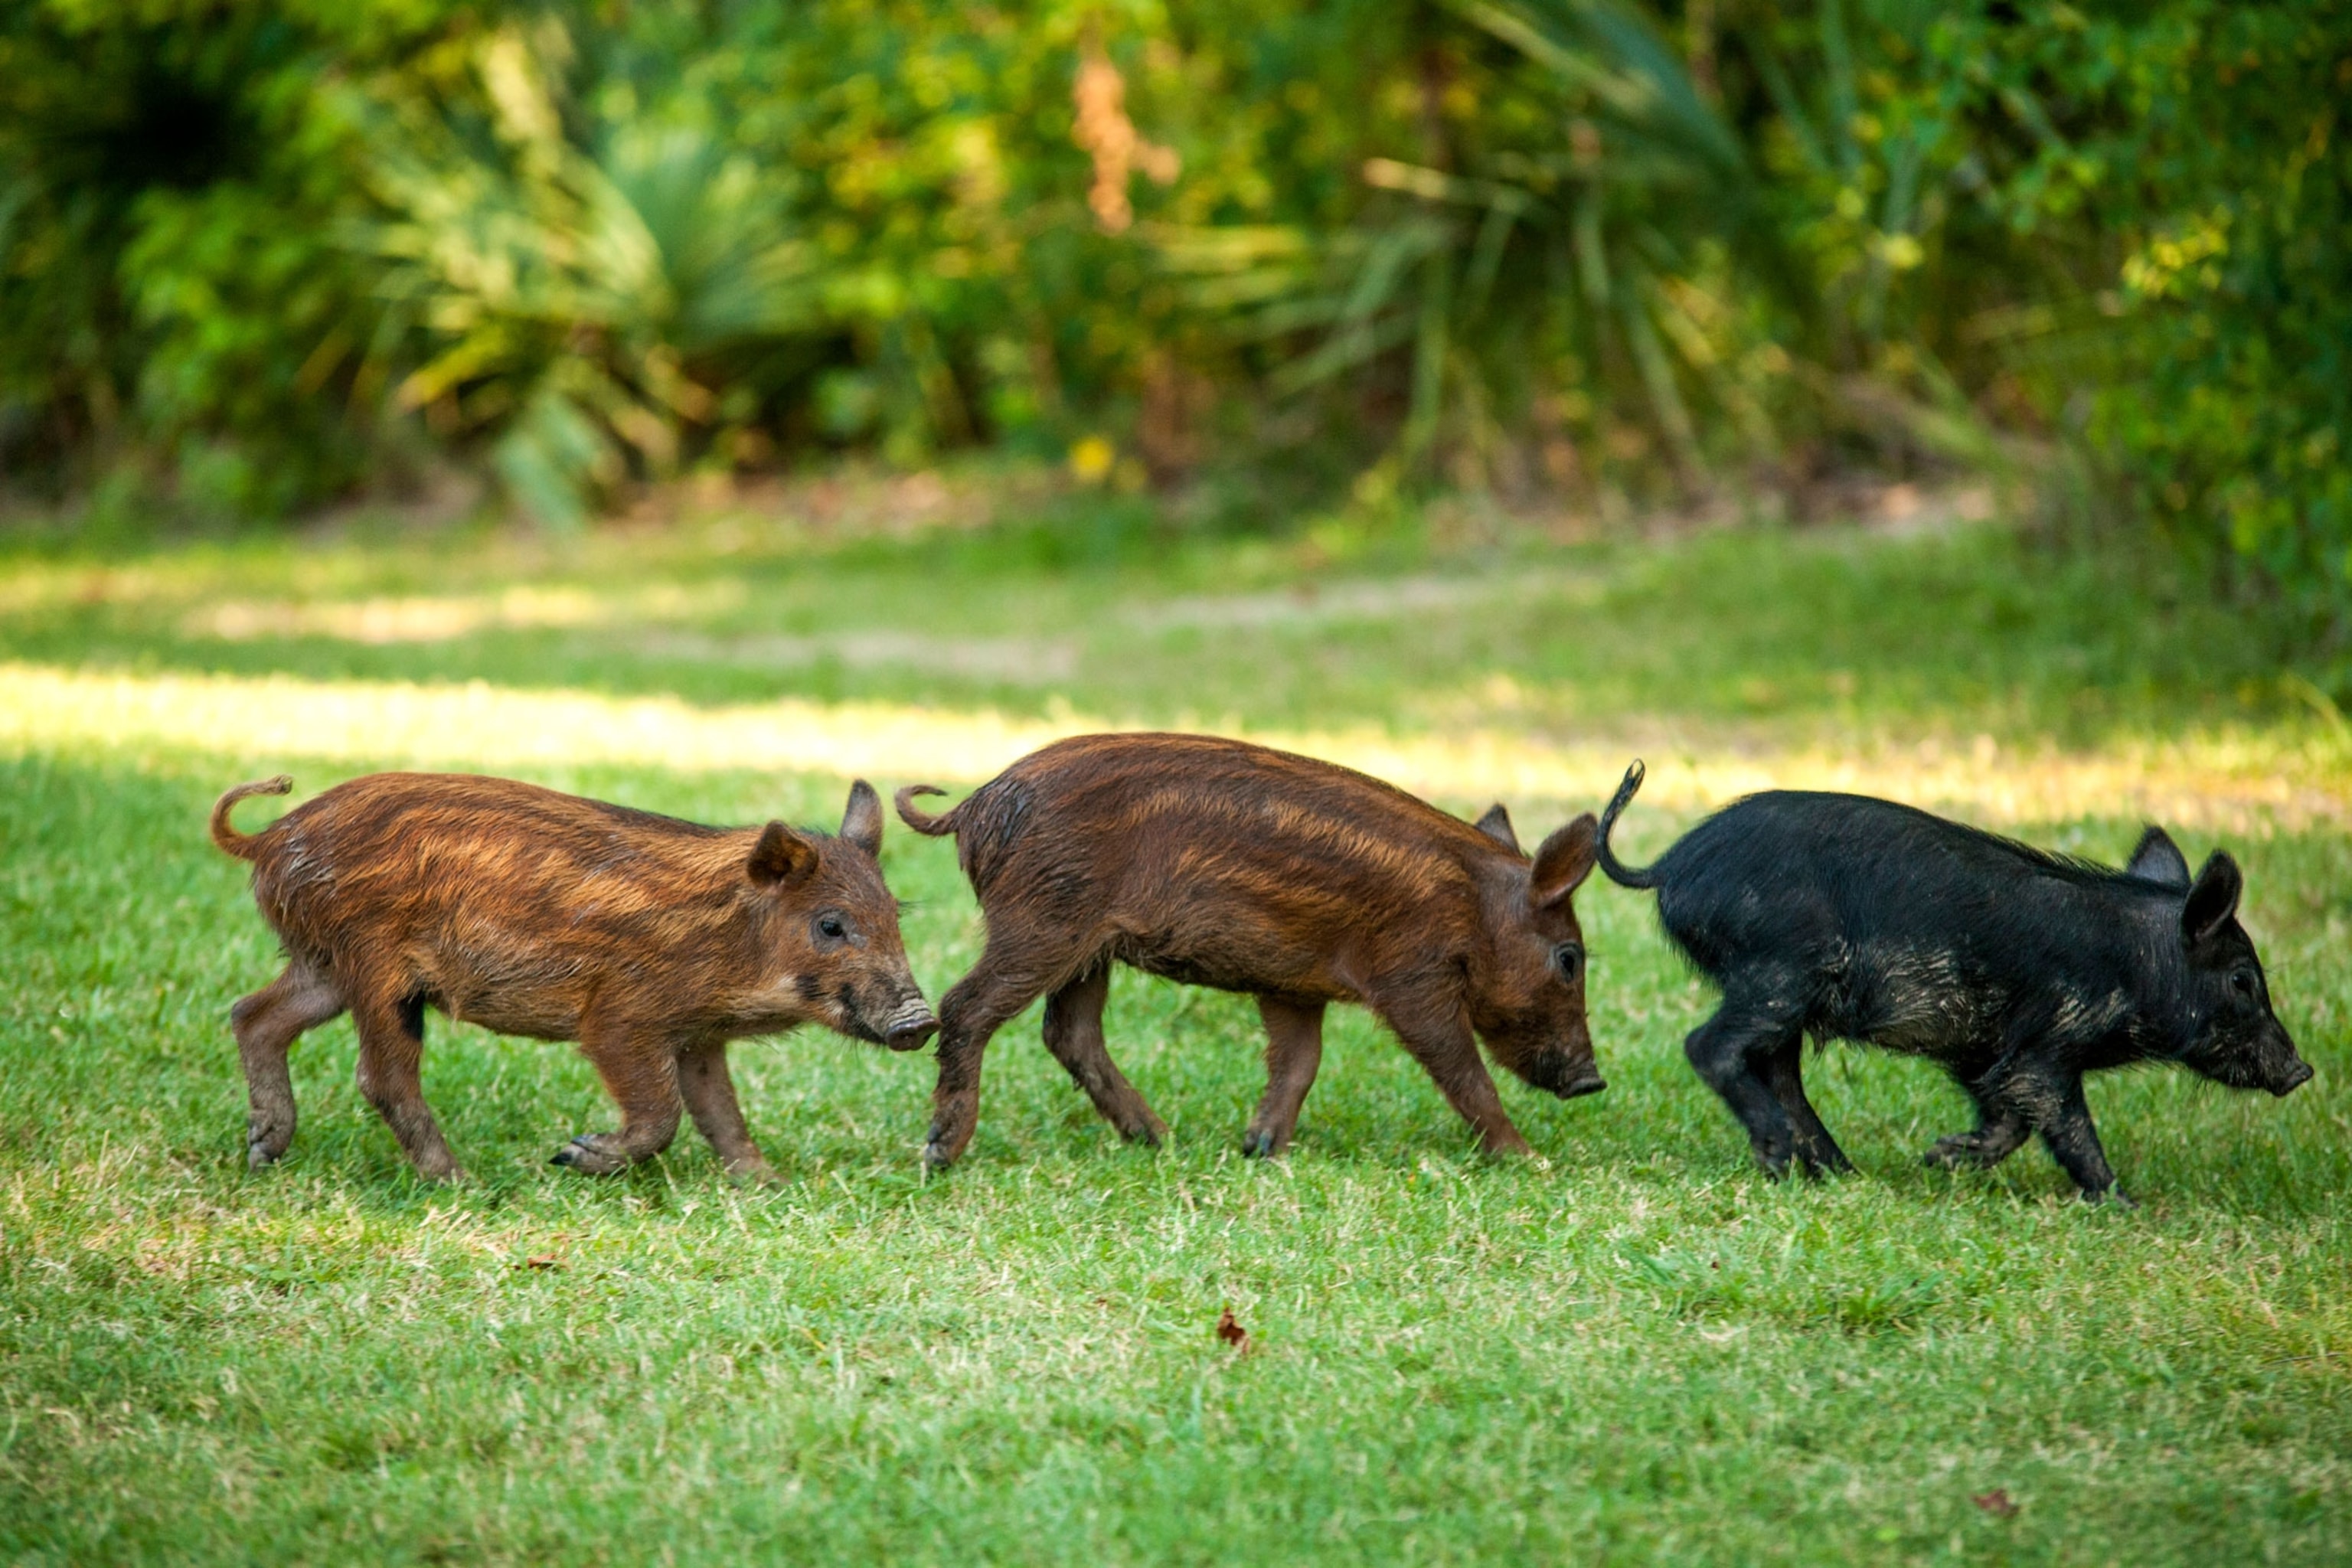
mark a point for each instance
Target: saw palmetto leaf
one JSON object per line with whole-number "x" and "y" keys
{"x": 565, "y": 285}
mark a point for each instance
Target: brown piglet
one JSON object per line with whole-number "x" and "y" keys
{"x": 651, "y": 941}
{"x": 1219, "y": 863}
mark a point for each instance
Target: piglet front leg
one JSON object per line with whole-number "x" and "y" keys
{"x": 2073, "y": 1142}
{"x": 708, "y": 1090}
{"x": 1448, "y": 1051}
{"x": 640, "y": 1071}
{"x": 2050, "y": 1097}
{"x": 2001, "y": 1128}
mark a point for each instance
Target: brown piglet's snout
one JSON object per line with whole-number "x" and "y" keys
{"x": 1569, "y": 1073}
{"x": 912, "y": 1027}
{"x": 651, "y": 941}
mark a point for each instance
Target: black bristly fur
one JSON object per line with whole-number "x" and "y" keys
{"x": 2014, "y": 970}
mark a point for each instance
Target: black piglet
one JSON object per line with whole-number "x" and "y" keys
{"x": 2014, "y": 970}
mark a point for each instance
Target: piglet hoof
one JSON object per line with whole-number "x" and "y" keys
{"x": 1259, "y": 1145}
{"x": 2110, "y": 1198}
{"x": 590, "y": 1154}
{"x": 266, "y": 1140}
{"x": 936, "y": 1156}
{"x": 752, "y": 1173}
{"x": 1961, "y": 1151}
{"x": 1820, "y": 1166}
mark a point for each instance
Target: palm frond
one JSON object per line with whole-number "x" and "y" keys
{"x": 565, "y": 287}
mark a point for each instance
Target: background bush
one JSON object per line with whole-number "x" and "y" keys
{"x": 253, "y": 257}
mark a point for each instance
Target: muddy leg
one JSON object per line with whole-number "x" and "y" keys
{"x": 1293, "y": 1050}
{"x": 1727, "y": 1050}
{"x": 640, "y": 1070}
{"x": 2001, "y": 1128}
{"x": 2063, "y": 1119}
{"x": 1074, "y": 1033}
{"x": 2048, "y": 1098}
{"x": 1783, "y": 1071}
{"x": 267, "y": 1023}
{"x": 710, "y": 1092}
{"x": 392, "y": 1051}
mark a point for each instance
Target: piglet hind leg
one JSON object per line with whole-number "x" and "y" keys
{"x": 1293, "y": 1052}
{"x": 640, "y": 1070}
{"x": 267, "y": 1023}
{"x": 708, "y": 1090}
{"x": 972, "y": 1012}
{"x": 1727, "y": 1051}
{"x": 1784, "y": 1072}
{"x": 392, "y": 1055}
{"x": 1074, "y": 1033}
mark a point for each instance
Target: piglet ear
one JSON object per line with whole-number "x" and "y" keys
{"x": 1563, "y": 862}
{"x": 1496, "y": 825}
{"x": 862, "y": 824}
{"x": 779, "y": 856}
{"x": 2158, "y": 860}
{"x": 2213, "y": 900}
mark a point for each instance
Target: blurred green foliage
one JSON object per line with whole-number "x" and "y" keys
{"x": 253, "y": 256}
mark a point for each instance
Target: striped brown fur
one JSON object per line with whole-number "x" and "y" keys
{"x": 651, "y": 941}
{"x": 1219, "y": 863}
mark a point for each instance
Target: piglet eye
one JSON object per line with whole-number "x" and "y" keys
{"x": 2242, "y": 983}
{"x": 831, "y": 926}
{"x": 1568, "y": 959}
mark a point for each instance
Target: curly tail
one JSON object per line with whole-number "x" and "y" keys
{"x": 241, "y": 844}
{"x": 921, "y": 821}
{"x": 1624, "y": 876}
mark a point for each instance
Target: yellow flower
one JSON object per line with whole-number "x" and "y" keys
{"x": 1090, "y": 459}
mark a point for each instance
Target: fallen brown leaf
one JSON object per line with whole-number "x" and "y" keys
{"x": 544, "y": 1260}
{"x": 1232, "y": 1332}
{"x": 1995, "y": 1502}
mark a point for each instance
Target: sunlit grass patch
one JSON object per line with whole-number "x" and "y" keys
{"x": 441, "y": 618}
{"x": 2235, "y": 779}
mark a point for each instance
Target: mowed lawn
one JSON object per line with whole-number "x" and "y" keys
{"x": 1633, "y": 1349}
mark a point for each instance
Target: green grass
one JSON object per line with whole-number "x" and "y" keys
{"x": 1636, "y": 1350}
